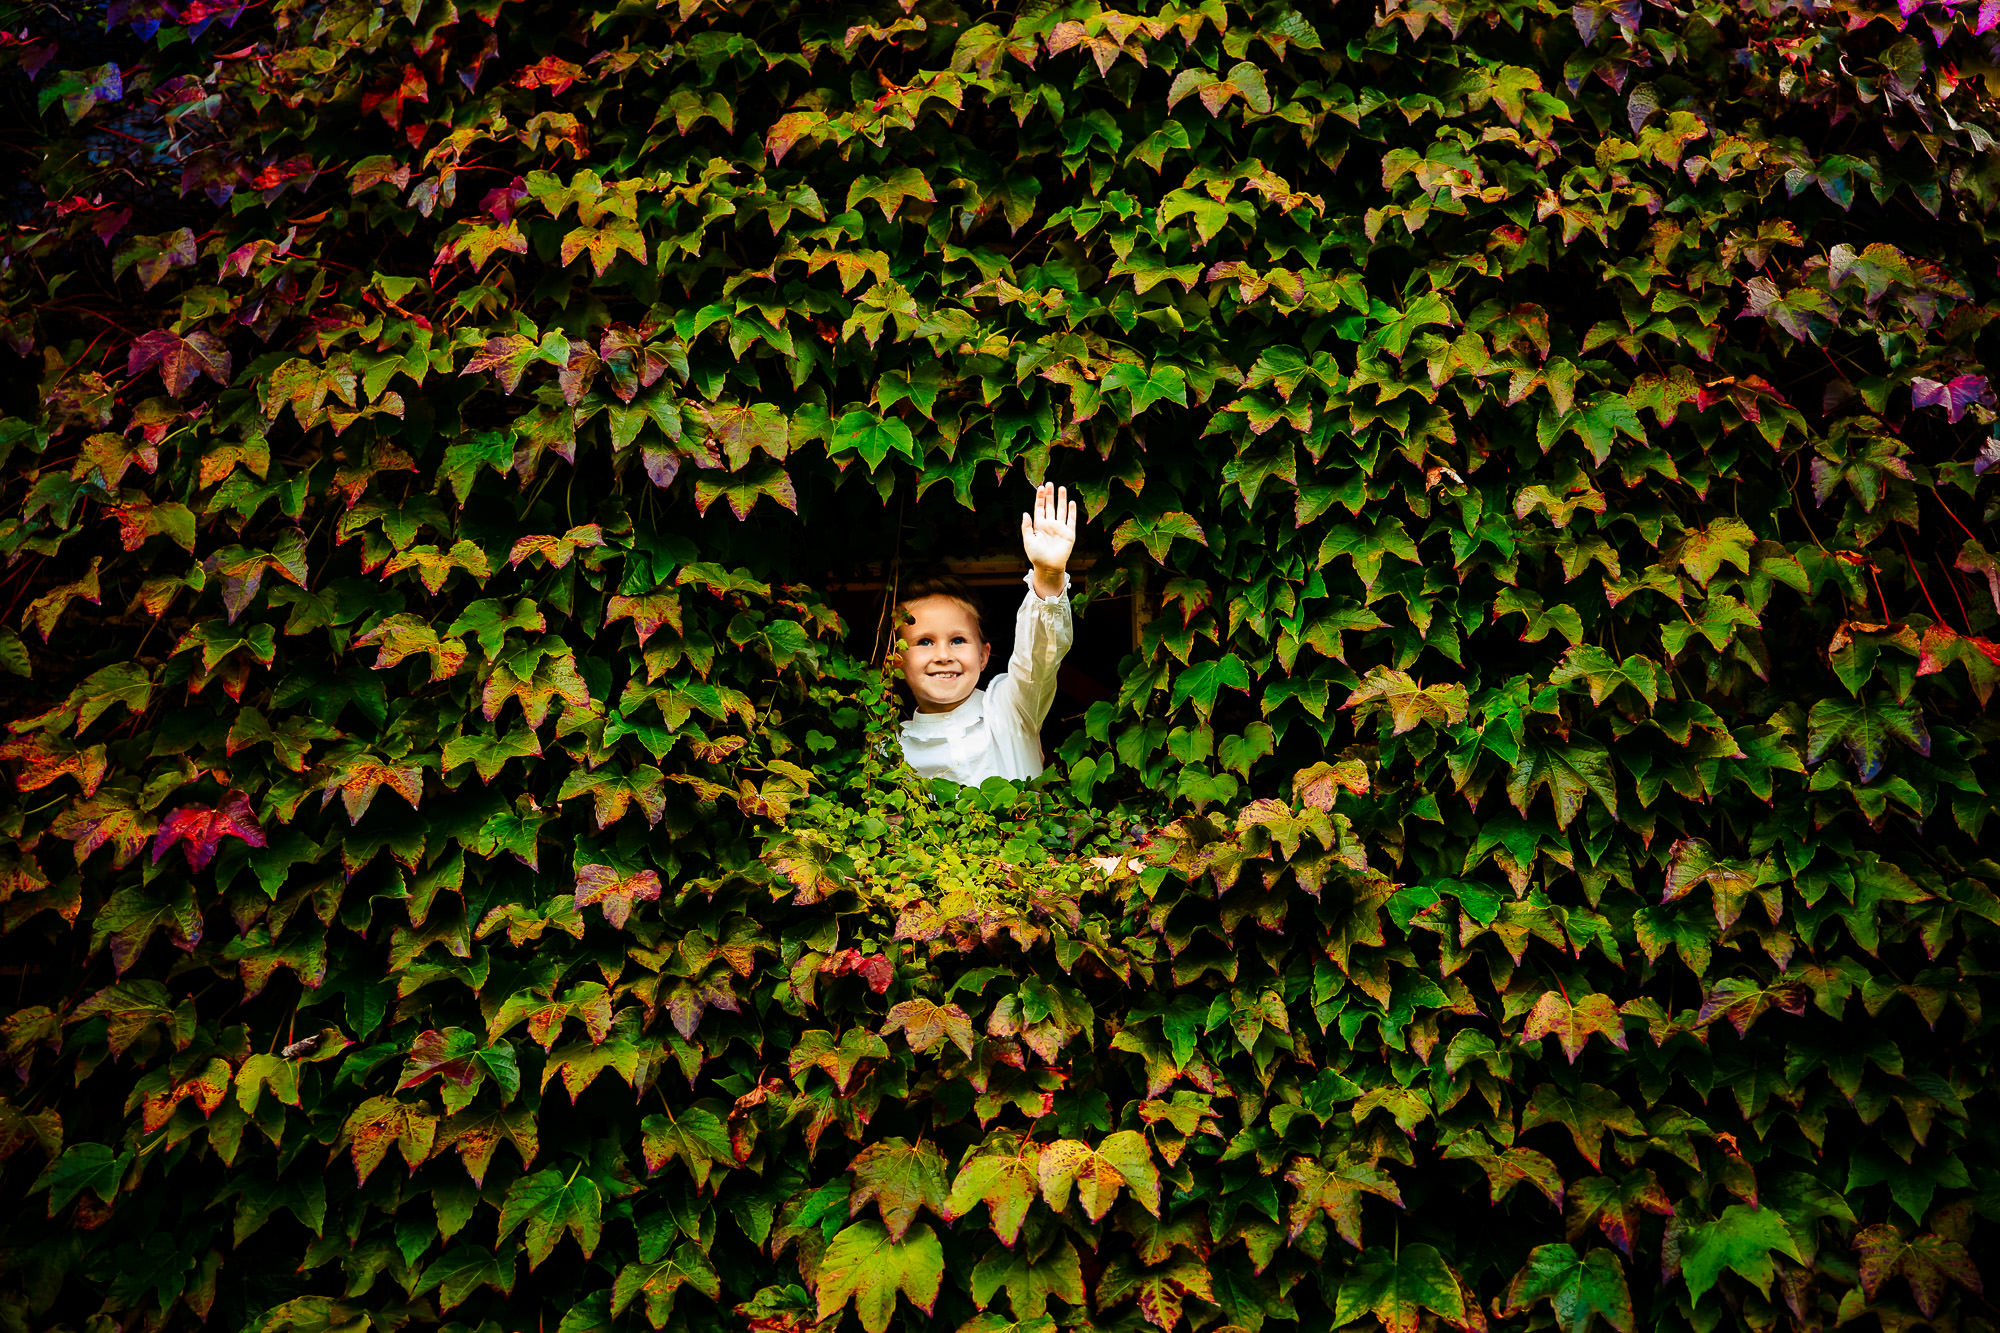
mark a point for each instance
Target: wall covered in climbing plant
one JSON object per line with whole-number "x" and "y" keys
{"x": 1527, "y": 871}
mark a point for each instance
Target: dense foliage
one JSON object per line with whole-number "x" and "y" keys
{"x": 1530, "y": 870}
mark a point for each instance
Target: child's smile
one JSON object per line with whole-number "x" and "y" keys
{"x": 946, "y": 653}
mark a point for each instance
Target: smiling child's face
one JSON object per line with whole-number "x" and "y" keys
{"x": 945, "y": 656}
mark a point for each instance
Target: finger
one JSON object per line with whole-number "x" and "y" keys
{"x": 1063, "y": 505}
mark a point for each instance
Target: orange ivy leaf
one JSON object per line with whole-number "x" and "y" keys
{"x": 602, "y": 886}
{"x": 382, "y": 1123}
{"x": 557, "y": 550}
{"x": 1572, "y": 1024}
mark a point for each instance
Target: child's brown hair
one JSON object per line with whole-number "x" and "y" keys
{"x": 940, "y": 585}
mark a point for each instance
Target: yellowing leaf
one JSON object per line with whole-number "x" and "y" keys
{"x": 434, "y": 566}
{"x": 356, "y": 780}
{"x": 381, "y": 1123}
{"x": 1004, "y": 1174}
{"x": 902, "y": 184}
{"x": 866, "y": 1266}
{"x": 1319, "y": 785}
{"x": 1407, "y": 703}
{"x": 1157, "y": 534}
{"x": 926, "y": 1025}
{"x": 1122, "y": 1160}
{"x": 1704, "y": 551}
{"x": 1335, "y": 1188}
{"x": 206, "y": 1086}
{"x": 557, "y": 550}
{"x": 264, "y": 1072}
{"x": 648, "y": 613}
{"x": 476, "y": 1134}
{"x": 900, "y": 1178}
{"x": 604, "y": 244}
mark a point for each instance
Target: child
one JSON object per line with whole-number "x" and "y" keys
{"x": 960, "y": 731}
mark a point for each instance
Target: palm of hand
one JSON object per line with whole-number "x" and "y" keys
{"x": 1048, "y": 535}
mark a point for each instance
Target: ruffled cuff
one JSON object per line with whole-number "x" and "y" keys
{"x": 1063, "y": 596}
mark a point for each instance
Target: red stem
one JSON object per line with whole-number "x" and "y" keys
{"x": 1917, "y": 574}
{"x": 1954, "y": 517}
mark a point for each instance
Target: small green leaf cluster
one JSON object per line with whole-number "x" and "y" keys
{"x": 936, "y": 848}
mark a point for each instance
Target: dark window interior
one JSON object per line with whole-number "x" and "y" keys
{"x": 856, "y": 562}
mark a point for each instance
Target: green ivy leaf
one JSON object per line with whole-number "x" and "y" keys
{"x": 1204, "y": 681}
{"x": 1029, "y": 1282}
{"x": 1740, "y": 1240}
{"x": 549, "y": 1204}
{"x": 1146, "y": 386}
{"x": 1397, "y": 1288}
{"x": 873, "y": 437}
{"x": 659, "y": 1282}
{"x": 1576, "y": 1288}
{"x": 1865, "y": 726}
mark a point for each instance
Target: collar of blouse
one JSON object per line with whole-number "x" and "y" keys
{"x": 937, "y": 728}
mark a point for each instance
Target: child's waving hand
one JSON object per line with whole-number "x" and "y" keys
{"x": 1048, "y": 536}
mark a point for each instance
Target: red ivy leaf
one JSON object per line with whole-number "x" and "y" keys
{"x": 445, "y": 1055}
{"x": 181, "y": 360}
{"x": 550, "y": 72}
{"x": 875, "y": 969}
{"x": 202, "y": 828}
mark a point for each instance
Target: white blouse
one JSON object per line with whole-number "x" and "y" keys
{"x": 997, "y": 731}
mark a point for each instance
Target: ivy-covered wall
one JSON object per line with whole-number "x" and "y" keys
{"x": 1531, "y": 870}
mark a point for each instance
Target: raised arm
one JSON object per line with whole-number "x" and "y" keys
{"x": 1043, "y": 630}
{"x": 1048, "y": 535}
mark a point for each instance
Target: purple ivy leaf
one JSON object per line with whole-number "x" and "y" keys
{"x": 1641, "y": 106}
{"x": 1954, "y": 395}
{"x": 662, "y": 464}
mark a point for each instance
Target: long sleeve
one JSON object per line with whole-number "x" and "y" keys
{"x": 1043, "y": 632}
